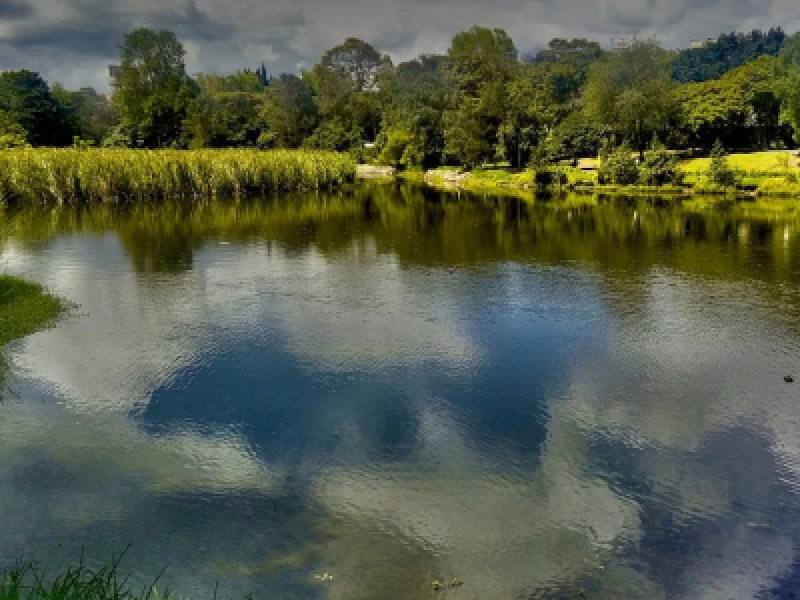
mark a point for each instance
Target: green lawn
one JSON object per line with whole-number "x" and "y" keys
{"x": 754, "y": 162}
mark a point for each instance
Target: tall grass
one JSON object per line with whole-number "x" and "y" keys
{"x": 80, "y": 175}
{"x": 27, "y": 582}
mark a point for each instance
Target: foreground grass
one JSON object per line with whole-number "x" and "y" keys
{"x": 27, "y": 582}
{"x": 70, "y": 175}
{"x": 24, "y": 308}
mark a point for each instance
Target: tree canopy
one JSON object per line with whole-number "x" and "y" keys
{"x": 478, "y": 103}
{"x": 152, "y": 91}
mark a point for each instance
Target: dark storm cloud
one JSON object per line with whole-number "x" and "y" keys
{"x": 14, "y": 9}
{"x": 74, "y": 40}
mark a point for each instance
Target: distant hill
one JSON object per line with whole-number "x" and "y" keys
{"x": 714, "y": 58}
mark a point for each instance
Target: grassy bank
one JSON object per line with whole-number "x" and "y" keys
{"x": 765, "y": 174}
{"x": 78, "y": 175}
{"x": 24, "y": 308}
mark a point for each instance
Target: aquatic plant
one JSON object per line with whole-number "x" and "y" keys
{"x": 69, "y": 175}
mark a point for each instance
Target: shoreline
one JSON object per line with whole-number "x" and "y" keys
{"x": 522, "y": 183}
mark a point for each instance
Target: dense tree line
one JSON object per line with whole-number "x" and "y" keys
{"x": 480, "y": 102}
{"x": 727, "y": 52}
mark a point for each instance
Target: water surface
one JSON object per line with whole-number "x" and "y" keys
{"x": 389, "y": 385}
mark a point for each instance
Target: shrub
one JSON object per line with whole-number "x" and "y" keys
{"x": 720, "y": 171}
{"x": 659, "y": 167}
{"x": 549, "y": 176}
{"x": 619, "y": 167}
{"x": 395, "y": 150}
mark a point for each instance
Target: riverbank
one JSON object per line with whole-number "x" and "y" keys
{"x": 762, "y": 174}
{"x": 24, "y": 308}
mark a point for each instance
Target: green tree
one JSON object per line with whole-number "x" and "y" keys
{"x": 241, "y": 81}
{"x": 479, "y": 64}
{"x": 789, "y": 86}
{"x": 631, "y": 92}
{"x": 659, "y": 167}
{"x": 224, "y": 120}
{"x": 567, "y": 64}
{"x": 345, "y": 85}
{"x": 289, "y": 112}
{"x": 28, "y": 101}
{"x": 530, "y": 110}
{"x": 719, "y": 170}
{"x": 152, "y": 92}
{"x": 413, "y": 101}
{"x": 12, "y": 134}
{"x": 742, "y": 108}
{"x": 90, "y": 115}
{"x": 576, "y": 136}
{"x": 619, "y": 167}
{"x": 726, "y": 53}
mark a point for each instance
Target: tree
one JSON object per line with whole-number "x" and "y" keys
{"x": 741, "y": 109}
{"x": 576, "y": 136}
{"x": 89, "y": 114}
{"x": 241, "y": 81}
{"x": 567, "y": 64}
{"x": 719, "y": 170}
{"x": 151, "y": 89}
{"x": 789, "y": 87}
{"x": 345, "y": 85}
{"x": 631, "y": 93}
{"x": 289, "y": 111}
{"x": 529, "y": 112}
{"x": 479, "y": 64}
{"x": 413, "y": 101}
{"x": 357, "y": 60}
{"x": 619, "y": 167}
{"x": 224, "y": 120}
{"x": 659, "y": 167}
{"x": 28, "y": 101}
{"x": 726, "y": 53}
{"x": 12, "y": 134}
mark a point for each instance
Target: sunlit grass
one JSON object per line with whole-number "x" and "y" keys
{"x": 751, "y": 163}
{"x": 71, "y": 175}
{"x": 24, "y": 308}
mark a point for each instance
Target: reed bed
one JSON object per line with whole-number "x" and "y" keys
{"x": 72, "y": 175}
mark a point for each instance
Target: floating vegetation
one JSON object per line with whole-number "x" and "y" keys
{"x": 446, "y": 585}
{"x": 72, "y": 175}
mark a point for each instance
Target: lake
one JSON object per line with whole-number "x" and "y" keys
{"x": 351, "y": 395}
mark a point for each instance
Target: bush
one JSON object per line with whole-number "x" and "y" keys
{"x": 619, "y": 167}
{"x": 395, "y": 151}
{"x": 720, "y": 171}
{"x": 549, "y": 176}
{"x": 12, "y": 134}
{"x": 659, "y": 167}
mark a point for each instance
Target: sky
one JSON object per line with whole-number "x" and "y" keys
{"x": 73, "y": 41}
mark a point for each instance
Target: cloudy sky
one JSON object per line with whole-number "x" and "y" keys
{"x": 73, "y": 40}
